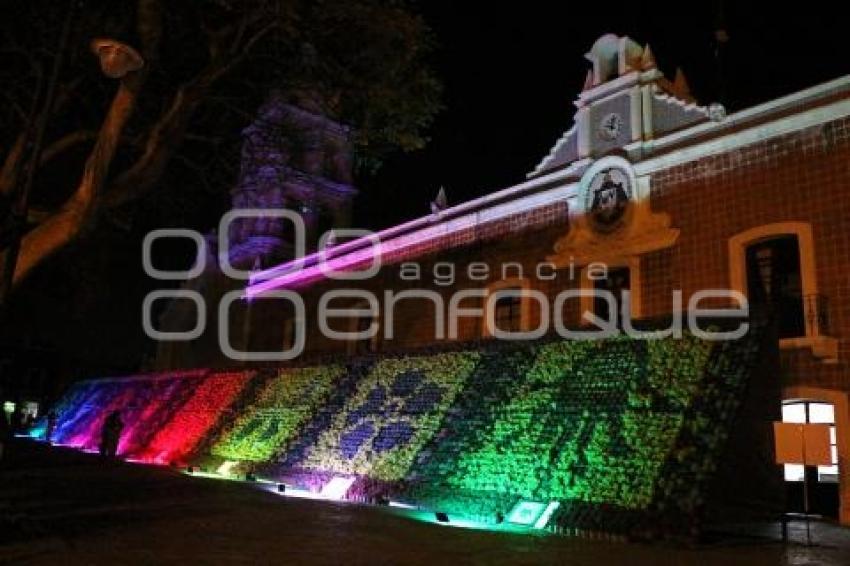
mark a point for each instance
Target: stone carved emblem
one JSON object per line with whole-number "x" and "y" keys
{"x": 611, "y": 219}
{"x": 609, "y": 196}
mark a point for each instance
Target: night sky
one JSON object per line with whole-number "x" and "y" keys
{"x": 511, "y": 72}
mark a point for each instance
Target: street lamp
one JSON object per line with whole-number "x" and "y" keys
{"x": 117, "y": 59}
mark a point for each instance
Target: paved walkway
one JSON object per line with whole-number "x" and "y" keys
{"x": 63, "y": 507}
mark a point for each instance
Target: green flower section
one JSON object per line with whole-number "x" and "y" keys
{"x": 588, "y": 421}
{"x": 675, "y": 370}
{"x": 707, "y": 428}
{"x": 397, "y": 408}
{"x": 620, "y": 467}
{"x": 513, "y": 454}
{"x": 282, "y": 408}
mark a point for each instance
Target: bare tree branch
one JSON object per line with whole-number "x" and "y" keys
{"x": 12, "y": 163}
{"x": 65, "y": 143}
{"x": 10, "y": 169}
{"x": 64, "y": 226}
{"x": 169, "y": 131}
{"x": 76, "y": 214}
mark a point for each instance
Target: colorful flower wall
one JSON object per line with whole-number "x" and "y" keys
{"x": 284, "y": 404}
{"x": 614, "y": 430}
{"x": 152, "y": 406}
{"x": 165, "y": 416}
{"x": 397, "y": 407}
{"x": 208, "y": 407}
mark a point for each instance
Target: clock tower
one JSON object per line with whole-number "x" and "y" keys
{"x": 626, "y": 102}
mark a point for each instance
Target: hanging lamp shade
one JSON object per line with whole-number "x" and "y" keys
{"x": 117, "y": 59}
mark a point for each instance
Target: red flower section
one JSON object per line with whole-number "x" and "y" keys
{"x": 154, "y": 404}
{"x": 191, "y": 424}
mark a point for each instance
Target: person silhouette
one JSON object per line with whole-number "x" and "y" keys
{"x": 51, "y": 426}
{"x": 111, "y": 434}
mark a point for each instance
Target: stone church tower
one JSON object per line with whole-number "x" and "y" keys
{"x": 295, "y": 158}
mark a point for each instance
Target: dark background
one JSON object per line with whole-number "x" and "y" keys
{"x": 511, "y": 72}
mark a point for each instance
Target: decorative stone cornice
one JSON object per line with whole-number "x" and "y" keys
{"x": 640, "y": 231}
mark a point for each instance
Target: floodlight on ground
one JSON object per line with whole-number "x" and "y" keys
{"x": 337, "y": 487}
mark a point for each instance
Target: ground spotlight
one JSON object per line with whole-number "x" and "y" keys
{"x": 281, "y": 488}
{"x": 441, "y": 517}
{"x": 337, "y": 487}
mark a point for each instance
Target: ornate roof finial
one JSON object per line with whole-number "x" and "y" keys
{"x": 680, "y": 86}
{"x": 440, "y": 203}
{"x": 647, "y": 59}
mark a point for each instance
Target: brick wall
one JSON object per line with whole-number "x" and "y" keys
{"x": 801, "y": 177}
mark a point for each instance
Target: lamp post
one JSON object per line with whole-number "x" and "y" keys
{"x": 117, "y": 59}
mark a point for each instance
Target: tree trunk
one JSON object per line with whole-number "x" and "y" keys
{"x": 77, "y": 213}
{"x": 11, "y": 166}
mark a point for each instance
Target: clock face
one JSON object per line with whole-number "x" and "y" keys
{"x": 610, "y": 126}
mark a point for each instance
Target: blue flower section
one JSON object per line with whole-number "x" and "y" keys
{"x": 424, "y": 400}
{"x": 389, "y": 410}
{"x": 392, "y": 435}
{"x": 374, "y": 402}
{"x": 406, "y": 383}
{"x": 351, "y": 441}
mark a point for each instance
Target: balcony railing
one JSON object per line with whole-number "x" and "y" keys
{"x": 816, "y": 312}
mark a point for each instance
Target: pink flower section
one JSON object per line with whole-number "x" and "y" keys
{"x": 176, "y": 440}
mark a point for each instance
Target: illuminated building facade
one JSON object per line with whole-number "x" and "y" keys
{"x": 671, "y": 196}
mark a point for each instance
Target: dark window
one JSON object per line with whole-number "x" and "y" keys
{"x": 774, "y": 283}
{"x": 508, "y": 313}
{"x": 364, "y": 345}
{"x": 617, "y": 281}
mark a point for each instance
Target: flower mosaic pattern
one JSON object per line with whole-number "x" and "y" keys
{"x": 397, "y": 407}
{"x": 588, "y": 422}
{"x": 211, "y": 399}
{"x": 410, "y": 395}
{"x": 282, "y": 407}
{"x": 146, "y": 404}
{"x": 593, "y": 424}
